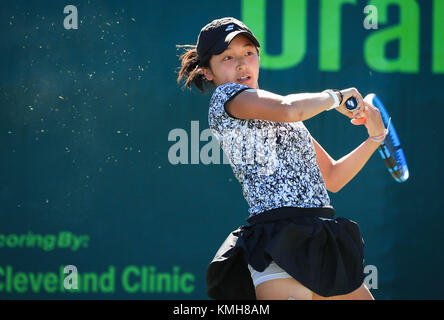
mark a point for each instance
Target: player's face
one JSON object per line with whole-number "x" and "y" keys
{"x": 239, "y": 63}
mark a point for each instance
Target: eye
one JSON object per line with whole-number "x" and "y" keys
{"x": 226, "y": 58}
{"x": 249, "y": 53}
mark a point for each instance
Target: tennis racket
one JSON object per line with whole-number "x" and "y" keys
{"x": 390, "y": 149}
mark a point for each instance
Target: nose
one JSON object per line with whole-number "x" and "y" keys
{"x": 240, "y": 65}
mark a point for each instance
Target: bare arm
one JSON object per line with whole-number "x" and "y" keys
{"x": 349, "y": 165}
{"x": 326, "y": 164}
{"x": 338, "y": 173}
{"x": 264, "y": 105}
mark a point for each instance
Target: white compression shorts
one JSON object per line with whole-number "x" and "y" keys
{"x": 273, "y": 271}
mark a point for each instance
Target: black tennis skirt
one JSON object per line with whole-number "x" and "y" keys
{"x": 324, "y": 254}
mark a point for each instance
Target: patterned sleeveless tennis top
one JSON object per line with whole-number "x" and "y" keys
{"x": 275, "y": 162}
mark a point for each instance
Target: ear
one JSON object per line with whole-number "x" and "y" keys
{"x": 208, "y": 74}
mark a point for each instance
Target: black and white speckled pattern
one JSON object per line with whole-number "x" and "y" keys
{"x": 283, "y": 170}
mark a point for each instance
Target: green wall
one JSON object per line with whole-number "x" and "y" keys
{"x": 85, "y": 117}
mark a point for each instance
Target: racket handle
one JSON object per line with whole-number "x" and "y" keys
{"x": 351, "y": 104}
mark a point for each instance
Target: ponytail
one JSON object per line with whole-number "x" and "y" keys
{"x": 190, "y": 69}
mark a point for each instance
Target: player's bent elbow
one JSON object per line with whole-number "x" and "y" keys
{"x": 333, "y": 190}
{"x": 332, "y": 186}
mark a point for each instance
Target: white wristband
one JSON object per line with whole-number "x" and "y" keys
{"x": 335, "y": 97}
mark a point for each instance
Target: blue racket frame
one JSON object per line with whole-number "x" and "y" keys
{"x": 390, "y": 149}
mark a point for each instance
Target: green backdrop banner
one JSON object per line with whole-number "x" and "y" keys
{"x": 109, "y": 171}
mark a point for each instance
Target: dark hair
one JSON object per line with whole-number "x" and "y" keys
{"x": 191, "y": 69}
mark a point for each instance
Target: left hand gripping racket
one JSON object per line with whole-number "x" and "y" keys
{"x": 390, "y": 149}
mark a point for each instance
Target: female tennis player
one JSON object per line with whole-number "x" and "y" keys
{"x": 292, "y": 247}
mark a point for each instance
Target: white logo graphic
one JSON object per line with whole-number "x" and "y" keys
{"x": 71, "y": 279}
{"x": 236, "y": 145}
{"x": 70, "y": 21}
{"x": 371, "y": 280}
{"x": 371, "y": 20}
{"x": 229, "y": 28}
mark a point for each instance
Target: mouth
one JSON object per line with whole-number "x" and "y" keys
{"x": 244, "y": 79}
